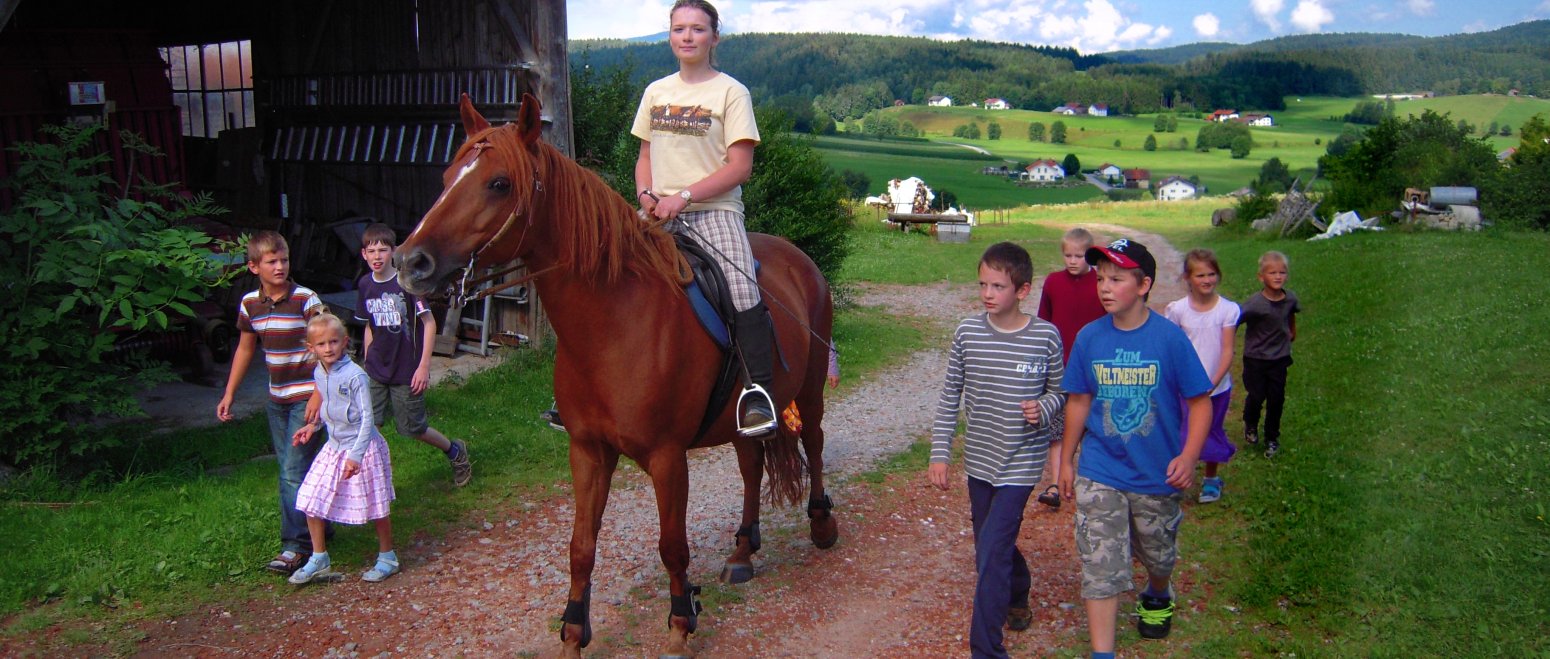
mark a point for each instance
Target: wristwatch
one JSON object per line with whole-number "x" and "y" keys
{"x": 687, "y": 197}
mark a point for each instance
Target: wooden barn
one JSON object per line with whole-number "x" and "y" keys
{"x": 312, "y": 117}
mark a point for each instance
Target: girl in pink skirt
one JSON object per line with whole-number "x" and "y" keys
{"x": 351, "y": 480}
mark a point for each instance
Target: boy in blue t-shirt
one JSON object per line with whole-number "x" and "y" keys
{"x": 1126, "y": 375}
{"x": 397, "y": 351}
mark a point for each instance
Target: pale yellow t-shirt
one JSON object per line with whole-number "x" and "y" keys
{"x": 690, "y": 128}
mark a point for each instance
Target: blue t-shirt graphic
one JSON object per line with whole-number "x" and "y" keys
{"x": 1138, "y": 379}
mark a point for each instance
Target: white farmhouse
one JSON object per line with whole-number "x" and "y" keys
{"x": 940, "y": 101}
{"x": 1044, "y": 171}
{"x": 1257, "y": 119}
{"x": 1175, "y": 188}
{"x": 996, "y": 104}
{"x": 1098, "y": 110}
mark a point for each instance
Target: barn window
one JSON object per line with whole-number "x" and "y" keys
{"x": 213, "y": 85}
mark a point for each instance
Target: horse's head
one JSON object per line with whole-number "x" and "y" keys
{"x": 484, "y": 214}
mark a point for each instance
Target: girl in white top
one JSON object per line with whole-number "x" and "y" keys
{"x": 1211, "y": 322}
{"x": 698, "y": 133}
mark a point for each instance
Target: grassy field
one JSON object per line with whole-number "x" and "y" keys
{"x": 1407, "y": 512}
{"x": 973, "y": 189}
{"x": 1303, "y": 132}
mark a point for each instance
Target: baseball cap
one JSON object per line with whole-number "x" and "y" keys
{"x": 1125, "y": 253}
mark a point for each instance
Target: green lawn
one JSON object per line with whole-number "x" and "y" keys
{"x": 1301, "y": 134}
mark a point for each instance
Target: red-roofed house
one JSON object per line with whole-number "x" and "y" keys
{"x": 1110, "y": 172}
{"x": 1098, "y": 110}
{"x": 996, "y": 104}
{"x": 1222, "y": 115}
{"x": 1045, "y": 170}
{"x": 1138, "y": 178}
{"x": 1070, "y": 109}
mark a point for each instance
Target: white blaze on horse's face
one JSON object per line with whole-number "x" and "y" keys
{"x": 473, "y": 161}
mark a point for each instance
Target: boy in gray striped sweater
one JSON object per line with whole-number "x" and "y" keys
{"x": 1004, "y": 371}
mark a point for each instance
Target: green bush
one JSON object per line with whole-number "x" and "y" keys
{"x": 794, "y": 194}
{"x": 84, "y": 264}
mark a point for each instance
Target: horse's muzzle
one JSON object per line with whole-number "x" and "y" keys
{"x": 416, "y": 271}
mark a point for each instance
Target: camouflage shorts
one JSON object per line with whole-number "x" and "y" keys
{"x": 1110, "y": 524}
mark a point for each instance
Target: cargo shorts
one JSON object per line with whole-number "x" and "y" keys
{"x": 1111, "y": 523}
{"x": 408, "y": 408}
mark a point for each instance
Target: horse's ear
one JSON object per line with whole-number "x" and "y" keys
{"x": 529, "y": 120}
{"x": 473, "y": 122}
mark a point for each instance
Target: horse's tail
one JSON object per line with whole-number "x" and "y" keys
{"x": 786, "y": 469}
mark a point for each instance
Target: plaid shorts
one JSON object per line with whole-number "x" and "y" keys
{"x": 722, "y": 234}
{"x": 1112, "y": 523}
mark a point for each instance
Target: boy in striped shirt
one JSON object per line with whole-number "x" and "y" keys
{"x": 1004, "y": 370}
{"x": 274, "y": 317}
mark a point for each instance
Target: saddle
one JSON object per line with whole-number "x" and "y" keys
{"x": 711, "y": 298}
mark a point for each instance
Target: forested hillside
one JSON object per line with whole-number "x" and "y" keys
{"x": 846, "y": 75}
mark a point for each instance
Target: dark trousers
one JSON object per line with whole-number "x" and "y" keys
{"x": 1003, "y": 579}
{"x": 1266, "y": 381}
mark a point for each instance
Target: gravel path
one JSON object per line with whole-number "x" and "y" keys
{"x": 495, "y": 589}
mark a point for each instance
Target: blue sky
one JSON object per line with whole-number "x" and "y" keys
{"x": 1090, "y": 26}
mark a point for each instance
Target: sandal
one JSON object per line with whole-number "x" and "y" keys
{"x": 287, "y": 562}
{"x": 381, "y": 571}
{"x": 316, "y": 569}
{"x": 1051, "y": 497}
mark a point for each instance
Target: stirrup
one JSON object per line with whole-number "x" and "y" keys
{"x": 760, "y": 429}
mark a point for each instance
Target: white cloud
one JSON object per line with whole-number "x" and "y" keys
{"x": 1266, "y": 11}
{"x": 1420, "y": 7}
{"x": 1311, "y": 16}
{"x": 898, "y": 17}
{"x": 1207, "y": 25}
{"x": 1102, "y": 28}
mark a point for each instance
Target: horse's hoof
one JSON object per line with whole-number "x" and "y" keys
{"x": 825, "y": 532}
{"x": 735, "y": 573}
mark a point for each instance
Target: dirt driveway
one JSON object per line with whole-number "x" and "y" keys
{"x": 898, "y": 584}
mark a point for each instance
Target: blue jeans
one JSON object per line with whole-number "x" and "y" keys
{"x": 284, "y": 420}
{"x": 1003, "y": 579}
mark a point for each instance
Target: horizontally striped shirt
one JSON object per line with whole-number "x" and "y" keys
{"x": 281, "y": 325}
{"x": 992, "y": 372}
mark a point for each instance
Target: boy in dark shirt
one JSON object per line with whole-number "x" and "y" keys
{"x": 397, "y": 350}
{"x": 1270, "y": 322}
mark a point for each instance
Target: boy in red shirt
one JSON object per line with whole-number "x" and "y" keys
{"x": 1069, "y": 301}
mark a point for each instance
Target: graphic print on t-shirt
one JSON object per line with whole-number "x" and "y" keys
{"x": 387, "y": 311}
{"x": 1125, "y": 385}
{"x": 681, "y": 119}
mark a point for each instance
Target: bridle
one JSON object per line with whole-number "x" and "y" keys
{"x": 460, "y": 296}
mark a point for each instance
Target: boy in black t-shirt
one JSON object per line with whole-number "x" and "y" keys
{"x": 395, "y": 355}
{"x": 1270, "y": 321}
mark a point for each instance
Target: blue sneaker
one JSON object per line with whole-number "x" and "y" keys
{"x": 1210, "y": 490}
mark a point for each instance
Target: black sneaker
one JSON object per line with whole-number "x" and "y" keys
{"x": 1154, "y": 616}
{"x": 1271, "y": 448}
{"x": 1251, "y": 436}
{"x": 1019, "y": 618}
{"x": 551, "y": 416}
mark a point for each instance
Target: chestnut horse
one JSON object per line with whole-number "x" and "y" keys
{"x": 633, "y": 368}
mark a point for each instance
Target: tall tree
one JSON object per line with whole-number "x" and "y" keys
{"x": 1036, "y": 132}
{"x": 1057, "y": 133}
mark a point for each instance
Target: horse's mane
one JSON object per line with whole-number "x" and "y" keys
{"x": 597, "y": 233}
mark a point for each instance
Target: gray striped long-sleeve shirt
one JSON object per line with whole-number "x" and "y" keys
{"x": 991, "y": 372}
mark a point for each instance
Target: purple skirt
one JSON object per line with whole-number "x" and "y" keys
{"x": 366, "y": 496}
{"x": 1217, "y": 447}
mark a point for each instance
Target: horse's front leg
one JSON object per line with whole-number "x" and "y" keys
{"x": 750, "y": 463}
{"x": 669, "y": 469}
{"x": 592, "y": 465}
